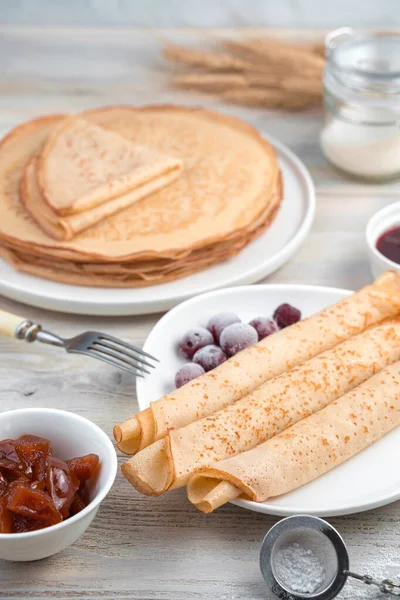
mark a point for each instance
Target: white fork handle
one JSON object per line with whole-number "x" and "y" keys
{"x": 9, "y": 323}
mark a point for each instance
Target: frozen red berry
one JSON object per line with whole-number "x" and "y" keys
{"x": 286, "y": 315}
{"x": 209, "y": 357}
{"x": 236, "y": 337}
{"x": 218, "y": 322}
{"x": 264, "y": 327}
{"x": 193, "y": 340}
{"x": 187, "y": 373}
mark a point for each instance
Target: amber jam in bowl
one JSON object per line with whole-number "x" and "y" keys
{"x": 382, "y": 234}
{"x": 71, "y": 436}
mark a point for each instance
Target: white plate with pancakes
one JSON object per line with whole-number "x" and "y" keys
{"x": 368, "y": 480}
{"x": 257, "y": 260}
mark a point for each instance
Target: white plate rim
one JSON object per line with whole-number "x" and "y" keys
{"x": 265, "y": 507}
{"x": 270, "y": 509}
{"x": 125, "y": 306}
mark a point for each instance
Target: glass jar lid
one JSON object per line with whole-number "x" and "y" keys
{"x": 367, "y": 66}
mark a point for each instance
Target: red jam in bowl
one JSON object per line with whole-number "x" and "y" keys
{"x": 388, "y": 244}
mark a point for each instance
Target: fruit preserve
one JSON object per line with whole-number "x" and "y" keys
{"x": 388, "y": 244}
{"x": 37, "y": 489}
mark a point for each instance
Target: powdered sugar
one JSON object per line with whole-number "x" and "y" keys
{"x": 299, "y": 569}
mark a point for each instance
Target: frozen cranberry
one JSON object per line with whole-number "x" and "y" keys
{"x": 286, "y": 315}
{"x": 193, "y": 340}
{"x": 187, "y": 373}
{"x": 209, "y": 357}
{"x": 218, "y": 322}
{"x": 236, "y": 337}
{"x": 264, "y": 327}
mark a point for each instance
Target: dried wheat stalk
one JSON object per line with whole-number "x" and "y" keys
{"x": 212, "y": 82}
{"x": 278, "y": 53}
{"x": 255, "y": 72}
{"x": 213, "y": 61}
{"x": 219, "y": 82}
{"x": 264, "y": 98}
{"x": 216, "y": 62}
{"x": 293, "y": 83}
{"x": 316, "y": 48}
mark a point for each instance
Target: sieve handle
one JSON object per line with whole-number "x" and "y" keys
{"x": 385, "y": 586}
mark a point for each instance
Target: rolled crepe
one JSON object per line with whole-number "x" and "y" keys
{"x": 255, "y": 365}
{"x": 307, "y": 450}
{"x": 276, "y": 405}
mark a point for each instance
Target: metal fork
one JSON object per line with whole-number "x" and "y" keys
{"x": 102, "y": 346}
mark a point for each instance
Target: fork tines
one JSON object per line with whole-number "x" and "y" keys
{"x": 120, "y": 354}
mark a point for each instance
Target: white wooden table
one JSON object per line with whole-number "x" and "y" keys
{"x": 163, "y": 548}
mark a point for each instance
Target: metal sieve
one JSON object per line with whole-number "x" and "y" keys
{"x": 318, "y": 540}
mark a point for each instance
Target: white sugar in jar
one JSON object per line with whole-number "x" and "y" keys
{"x": 361, "y": 136}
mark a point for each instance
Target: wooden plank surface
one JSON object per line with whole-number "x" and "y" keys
{"x": 140, "y": 548}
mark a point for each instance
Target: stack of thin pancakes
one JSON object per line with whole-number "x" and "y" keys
{"x": 185, "y": 189}
{"x": 280, "y": 413}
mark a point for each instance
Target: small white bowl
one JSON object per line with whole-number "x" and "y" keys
{"x": 380, "y": 222}
{"x": 70, "y": 436}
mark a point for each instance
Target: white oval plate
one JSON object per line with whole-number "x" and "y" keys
{"x": 259, "y": 259}
{"x": 369, "y": 480}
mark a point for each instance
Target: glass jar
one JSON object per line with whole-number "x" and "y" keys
{"x": 361, "y": 136}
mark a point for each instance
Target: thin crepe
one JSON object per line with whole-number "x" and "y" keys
{"x": 83, "y": 166}
{"x": 306, "y": 450}
{"x": 135, "y": 273}
{"x": 257, "y": 364}
{"x": 268, "y": 410}
{"x": 164, "y": 171}
{"x": 28, "y": 186}
{"x": 229, "y": 180}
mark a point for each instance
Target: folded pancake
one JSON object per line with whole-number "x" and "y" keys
{"x": 239, "y": 239}
{"x": 83, "y": 165}
{"x": 158, "y": 265}
{"x": 145, "y": 181}
{"x": 278, "y": 404}
{"x": 306, "y": 450}
{"x": 229, "y": 180}
{"x": 257, "y": 364}
{"x": 135, "y": 273}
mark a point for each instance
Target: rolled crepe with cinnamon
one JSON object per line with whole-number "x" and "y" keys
{"x": 307, "y": 450}
{"x": 276, "y": 405}
{"x": 255, "y": 365}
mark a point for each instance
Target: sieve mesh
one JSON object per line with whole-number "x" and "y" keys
{"x": 304, "y": 562}
{"x": 304, "y": 558}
